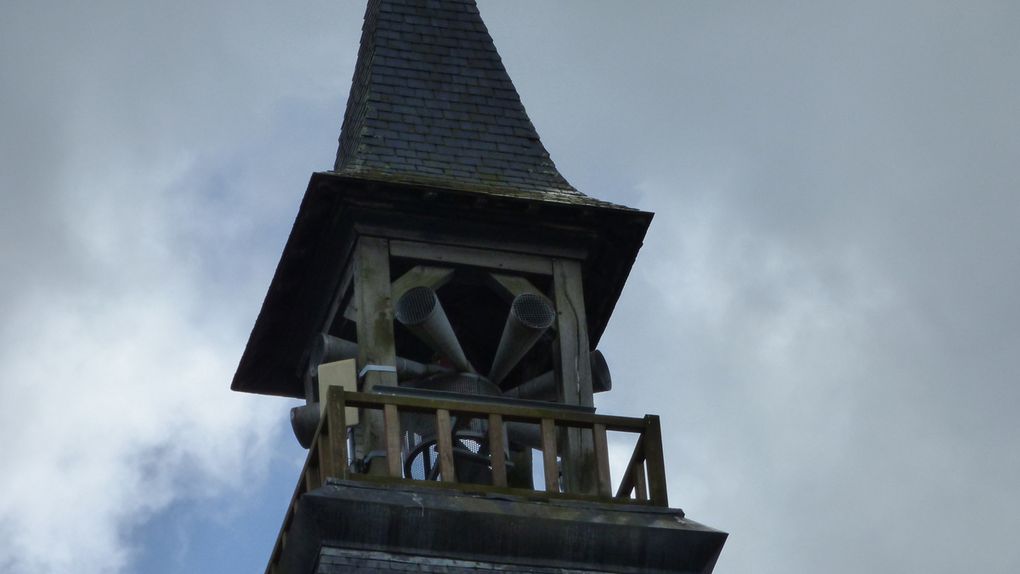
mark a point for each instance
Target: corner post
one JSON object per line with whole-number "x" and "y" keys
{"x": 573, "y": 373}
{"x": 654, "y": 461}
{"x": 375, "y": 337}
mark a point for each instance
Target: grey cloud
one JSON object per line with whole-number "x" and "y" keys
{"x": 836, "y": 258}
{"x": 126, "y": 288}
{"x": 823, "y": 312}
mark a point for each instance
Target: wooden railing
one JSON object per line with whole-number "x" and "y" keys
{"x": 643, "y": 481}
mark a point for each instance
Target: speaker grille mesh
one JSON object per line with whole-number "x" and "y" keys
{"x": 533, "y": 310}
{"x": 416, "y": 305}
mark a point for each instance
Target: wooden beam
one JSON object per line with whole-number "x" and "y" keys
{"x": 341, "y": 303}
{"x": 509, "y": 413}
{"x": 433, "y": 233}
{"x": 421, "y": 276}
{"x": 510, "y": 286}
{"x": 575, "y": 364}
{"x": 637, "y": 459}
{"x": 503, "y": 260}
{"x": 573, "y": 372}
{"x": 375, "y": 332}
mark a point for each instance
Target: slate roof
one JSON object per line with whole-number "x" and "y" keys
{"x": 432, "y": 104}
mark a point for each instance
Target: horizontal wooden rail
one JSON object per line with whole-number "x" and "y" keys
{"x": 510, "y": 413}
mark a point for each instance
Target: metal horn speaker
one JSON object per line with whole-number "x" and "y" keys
{"x": 420, "y": 311}
{"x": 328, "y": 348}
{"x": 543, "y": 387}
{"x": 530, "y": 316}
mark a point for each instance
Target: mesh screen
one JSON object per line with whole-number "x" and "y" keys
{"x": 416, "y": 305}
{"x": 533, "y": 310}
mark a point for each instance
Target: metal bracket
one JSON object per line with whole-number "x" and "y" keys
{"x": 376, "y": 369}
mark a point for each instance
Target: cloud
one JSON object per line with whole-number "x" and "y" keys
{"x": 136, "y": 175}
{"x": 114, "y": 400}
{"x": 830, "y": 278}
{"x": 823, "y": 313}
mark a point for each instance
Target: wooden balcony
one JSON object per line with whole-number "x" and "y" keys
{"x": 642, "y": 483}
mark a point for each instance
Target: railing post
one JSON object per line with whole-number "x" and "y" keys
{"x": 391, "y": 428}
{"x": 552, "y": 472}
{"x": 444, "y": 442}
{"x": 336, "y": 421}
{"x": 605, "y": 485}
{"x": 496, "y": 454}
{"x": 654, "y": 461}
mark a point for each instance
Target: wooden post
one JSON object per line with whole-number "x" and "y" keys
{"x": 573, "y": 373}
{"x": 552, "y": 473}
{"x": 335, "y": 418}
{"x": 601, "y": 441}
{"x": 496, "y": 454}
{"x": 654, "y": 461}
{"x": 375, "y": 335}
{"x": 392, "y": 429}
{"x": 444, "y": 444}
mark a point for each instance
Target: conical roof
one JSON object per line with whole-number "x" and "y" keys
{"x": 432, "y": 104}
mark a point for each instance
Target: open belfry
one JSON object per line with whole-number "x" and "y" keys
{"x": 438, "y": 305}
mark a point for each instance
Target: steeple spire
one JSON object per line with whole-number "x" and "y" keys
{"x": 432, "y": 104}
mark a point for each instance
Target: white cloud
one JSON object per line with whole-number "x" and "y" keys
{"x": 823, "y": 314}
{"x": 115, "y": 398}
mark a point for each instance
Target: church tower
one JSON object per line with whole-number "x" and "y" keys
{"x": 438, "y": 306}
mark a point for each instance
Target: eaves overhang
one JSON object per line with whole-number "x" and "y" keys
{"x": 337, "y": 208}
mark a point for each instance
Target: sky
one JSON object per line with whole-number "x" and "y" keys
{"x": 823, "y": 312}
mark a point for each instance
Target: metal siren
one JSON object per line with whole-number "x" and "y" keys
{"x": 530, "y": 317}
{"x": 420, "y": 311}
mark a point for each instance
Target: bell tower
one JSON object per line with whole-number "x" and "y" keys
{"x": 438, "y": 306}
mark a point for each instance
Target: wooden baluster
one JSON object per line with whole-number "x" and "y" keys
{"x": 640, "y": 485}
{"x": 552, "y": 472}
{"x": 391, "y": 425}
{"x": 496, "y": 454}
{"x": 627, "y": 484}
{"x": 336, "y": 416}
{"x": 444, "y": 441}
{"x": 601, "y": 442}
